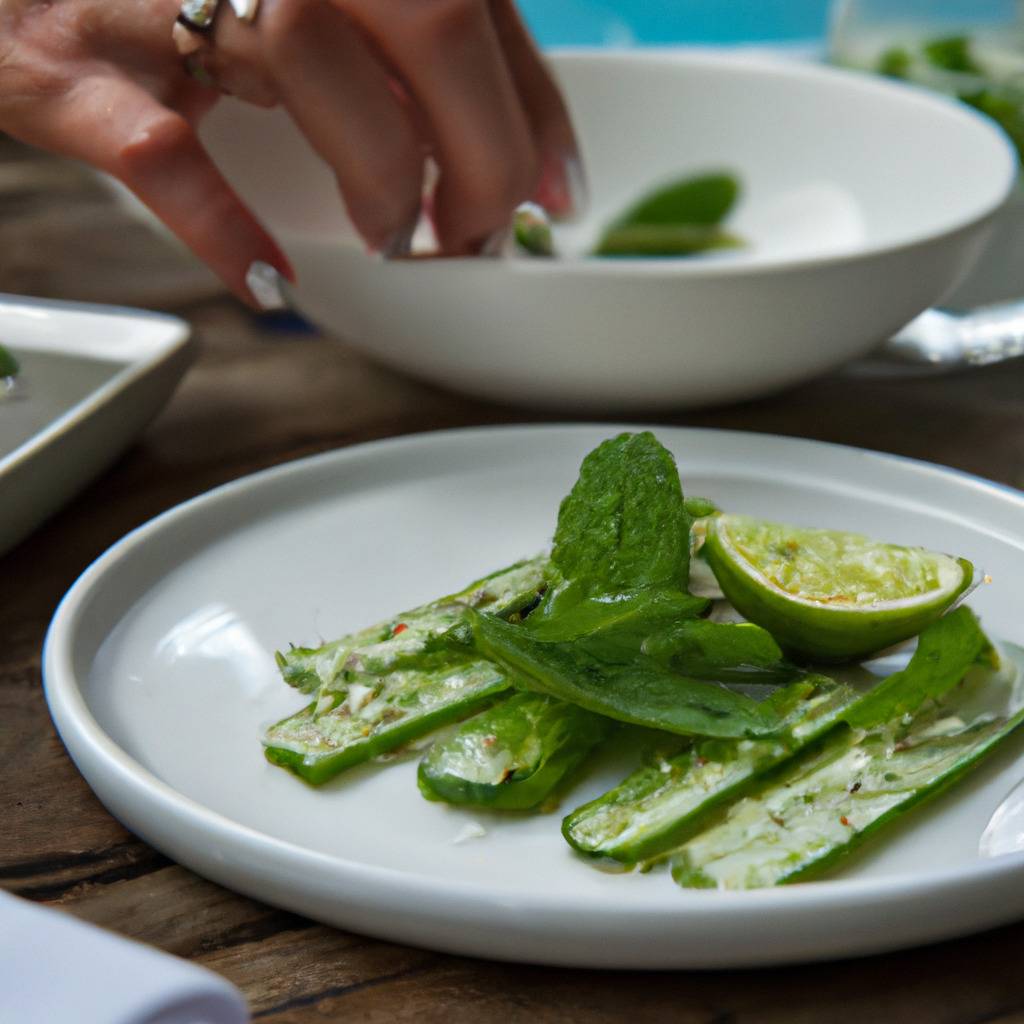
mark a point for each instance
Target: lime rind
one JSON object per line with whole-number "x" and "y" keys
{"x": 829, "y": 595}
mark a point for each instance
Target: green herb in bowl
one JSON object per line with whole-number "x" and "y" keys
{"x": 678, "y": 219}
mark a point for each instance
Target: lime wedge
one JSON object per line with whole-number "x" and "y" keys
{"x": 830, "y": 595}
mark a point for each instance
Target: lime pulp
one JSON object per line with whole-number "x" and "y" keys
{"x": 830, "y": 595}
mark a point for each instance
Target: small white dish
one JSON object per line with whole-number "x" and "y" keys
{"x": 864, "y": 201}
{"x": 159, "y": 673}
{"x": 91, "y": 378}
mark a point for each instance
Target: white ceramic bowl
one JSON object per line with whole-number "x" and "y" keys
{"x": 864, "y": 202}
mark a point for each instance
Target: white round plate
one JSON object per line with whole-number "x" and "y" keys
{"x": 159, "y": 673}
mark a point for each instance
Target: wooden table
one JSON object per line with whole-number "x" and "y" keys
{"x": 263, "y": 392}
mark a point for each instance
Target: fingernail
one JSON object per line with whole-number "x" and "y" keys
{"x": 562, "y": 189}
{"x": 493, "y": 245}
{"x": 399, "y": 245}
{"x": 576, "y": 182}
{"x": 264, "y": 284}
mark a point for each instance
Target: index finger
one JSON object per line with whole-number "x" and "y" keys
{"x": 449, "y": 57}
{"x": 561, "y": 189}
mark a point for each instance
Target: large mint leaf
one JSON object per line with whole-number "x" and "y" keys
{"x": 605, "y": 672}
{"x": 622, "y": 529}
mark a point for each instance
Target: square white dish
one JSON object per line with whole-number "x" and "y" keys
{"x": 91, "y": 378}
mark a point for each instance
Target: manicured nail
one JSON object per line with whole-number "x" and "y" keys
{"x": 399, "y": 245}
{"x": 562, "y": 189}
{"x": 493, "y": 245}
{"x": 576, "y": 183}
{"x": 264, "y": 284}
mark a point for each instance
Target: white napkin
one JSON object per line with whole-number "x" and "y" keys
{"x": 55, "y": 969}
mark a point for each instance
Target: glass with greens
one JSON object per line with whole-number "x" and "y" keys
{"x": 770, "y": 742}
{"x": 970, "y": 49}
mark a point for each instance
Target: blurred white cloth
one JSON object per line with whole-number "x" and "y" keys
{"x": 55, "y": 969}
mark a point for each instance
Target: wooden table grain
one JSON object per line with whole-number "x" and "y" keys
{"x": 264, "y": 391}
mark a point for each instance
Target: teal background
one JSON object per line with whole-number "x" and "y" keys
{"x": 653, "y": 22}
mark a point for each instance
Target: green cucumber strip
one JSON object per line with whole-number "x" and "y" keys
{"x": 376, "y": 714}
{"x": 512, "y": 756}
{"x": 378, "y": 647}
{"x": 836, "y": 795}
{"x": 606, "y": 673}
{"x": 666, "y": 800}
{"x": 391, "y": 683}
{"x": 659, "y": 805}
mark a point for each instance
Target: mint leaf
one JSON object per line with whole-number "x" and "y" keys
{"x": 728, "y": 652}
{"x": 703, "y": 200}
{"x": 605, "y": 673}
{"x": 622, "y": 528}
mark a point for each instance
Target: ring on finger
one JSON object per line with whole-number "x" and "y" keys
{"x": 193, "y": 30}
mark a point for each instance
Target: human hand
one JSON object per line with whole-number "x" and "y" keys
{"x": 375, "y": 85}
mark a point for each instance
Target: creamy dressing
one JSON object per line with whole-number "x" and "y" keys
{"x": 818, "y": 809}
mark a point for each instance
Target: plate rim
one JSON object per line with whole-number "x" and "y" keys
{"x": 87, "y": 742}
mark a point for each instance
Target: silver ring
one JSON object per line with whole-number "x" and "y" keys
{"x": 194, "y": 26}
{"x": 198, "y": 15}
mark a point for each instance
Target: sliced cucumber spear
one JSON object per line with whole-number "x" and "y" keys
{"x": 372, "y": 715}
{"x": 393, "y": 682}
{"x": 668, "y": 798}
{"x": 662, "y": 803}
{"x": 836, "y": 795}
{"x": 513, "y": 756}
